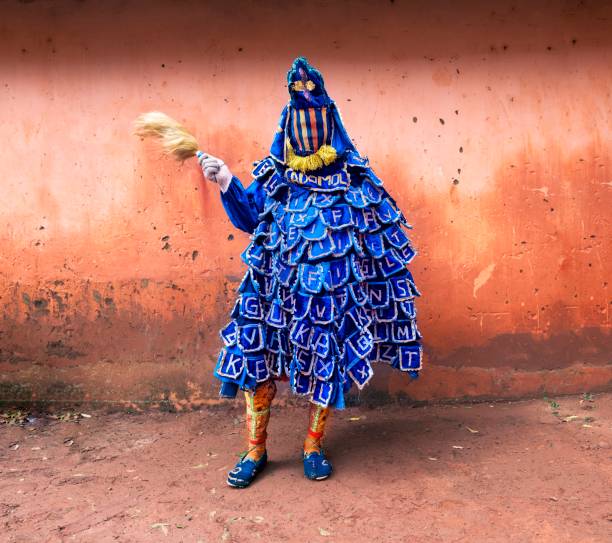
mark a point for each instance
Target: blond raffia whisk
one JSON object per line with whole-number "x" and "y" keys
{"x": 174, "y": 138}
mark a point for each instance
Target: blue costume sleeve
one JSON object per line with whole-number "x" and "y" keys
{"x": 243, "y": 206}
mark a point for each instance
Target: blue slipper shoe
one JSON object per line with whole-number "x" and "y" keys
{"x": 316, "y": 466}
{"x": 245, "y": 471}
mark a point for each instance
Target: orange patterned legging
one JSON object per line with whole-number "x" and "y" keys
{"x": 317, "y": 419}
{"x": 258, "y": 415}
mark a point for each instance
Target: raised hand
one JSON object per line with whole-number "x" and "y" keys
{"x": 215, "y": 170}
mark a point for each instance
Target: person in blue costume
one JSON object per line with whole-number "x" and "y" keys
{"x": 327, "y": 291}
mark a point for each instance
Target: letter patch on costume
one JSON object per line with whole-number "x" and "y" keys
{"x": 311, "y": 277}
{"x": 276, "y": 316}
{"x": 403, "y": 331}
{"x": 254, "y": 256}
{"x": 230, "y": 364}
{"x": 304, "y": 218}
{"x": 342, "y": 242}
{"x": 409, "y": 308}
{"x": 407, "y": 253}
{"x": 396, "y": 236}
{"x": 410, "y": 357}
{"x": 374, "y": 245}
{"x": 359, "y": 316}
{"x": 386, "y": 212}
{"x": 401, "y": 288}
{"x": 322, "y": 310}
{"x": 304, "y": 360}
{"x": 390, "y": 263}
{"x": 251, "y": 338}
{"x": 368, "y": 267}
{"x": 361, "y": 373}
{"x": 274, "y": 238}
{"x": 268, "y": 286}
{"x": 292, "y": 237}
{"x": 250, "y": 307}
{"x": 273, "y": 363}
{"x": 361, "y": 344}
{"x": 262, "y": 167}
{"x": 284, "y": 272}
{"x": 294, "y": 255}
{"x": 256, "y": 368}
{"x": 320, "y": 343}
{"x": 358, "y": 294}
{"x": 272, "y": 185}
{"x": 371, "y": 192}
{"x": 321, "y": 248}
{"x": 315, "y": 232}
{"x": 324, "y": 368}
{"x": 357, "y": 241}
{"x": 322, "y": 392}
{"x": 355, "y": 197}
{"x": 301, "y": 334}
{"x": 386, "y": 353}
{"x": 386, "y": 314}
{"x": 287, "y": 298}
{"x": 356, "y": 267}
{"x": 261, "y": 231}
{"x": 369, "y": 221}
{"x": 302, "y": 305}
{"x": 298, "y": 202}
{"x": 338, "y": 273}
{"x": 283, "y": 339}
{"x": 340, "y": 299}
{"x": 338, "y": 217}
{"x": 380, "y": 331}
{"x": 229, "y": 334}
{"x": 301, "y": 385}
{"x": 378, "y": 294}
{"x": 322, "y": 199}
{"x": 273, "y": 342}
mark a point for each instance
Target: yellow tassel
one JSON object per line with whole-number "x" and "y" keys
{"x": 323, "y": 157}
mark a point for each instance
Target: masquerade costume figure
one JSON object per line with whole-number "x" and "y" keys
{"x": 327, "y": 291}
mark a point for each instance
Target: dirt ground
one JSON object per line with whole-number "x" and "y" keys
{"x": 537, "y": 470}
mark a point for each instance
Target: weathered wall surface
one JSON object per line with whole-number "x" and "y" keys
{"x": 490, "y": 124}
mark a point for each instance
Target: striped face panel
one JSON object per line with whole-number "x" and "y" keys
{"x": 310, "y": 128}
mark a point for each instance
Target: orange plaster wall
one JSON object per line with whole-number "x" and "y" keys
{"x": 489, "y": 122}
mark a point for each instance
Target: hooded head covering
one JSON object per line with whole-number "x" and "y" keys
{"x": 311, "y": 135}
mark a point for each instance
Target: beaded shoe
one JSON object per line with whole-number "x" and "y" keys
{"x": 316, "y": 466}
{"x": 245, "y": 471}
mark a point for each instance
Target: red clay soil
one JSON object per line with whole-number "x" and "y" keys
{"x": 520, "y": 471}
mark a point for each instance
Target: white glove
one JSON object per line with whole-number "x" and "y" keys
{"x": 215, "y": 170}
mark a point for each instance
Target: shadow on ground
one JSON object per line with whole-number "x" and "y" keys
{"x": 514, "y": 471}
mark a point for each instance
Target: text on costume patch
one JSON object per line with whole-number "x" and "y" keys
{"x": 335, "y": 181}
